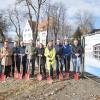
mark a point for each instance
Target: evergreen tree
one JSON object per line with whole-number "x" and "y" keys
{"x": 77, "y": 34}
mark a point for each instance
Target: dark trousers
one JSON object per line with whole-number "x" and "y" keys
{"x": 7, "y": 70}
{"x": 67, "y": 64}
{"x": 51, "y": 72}
{"x": 42, "y": 68}
{"x": 17, "y": 67}
{"x": 32, "y": 61}
{"x": 24, "y": 67}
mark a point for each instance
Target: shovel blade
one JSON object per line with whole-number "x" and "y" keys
{"x": 76, "y": 76}
{"x": 3, "y": 77}
{"x": 60, "y": 76}
{"x": 27, "y": 76}
{"x": 39, "y": 77}
{"x": 15, "y": 75}
{"x": 49, "y": 80}
{"x": 67, "y": 75}
{"x": 19, "y": 76}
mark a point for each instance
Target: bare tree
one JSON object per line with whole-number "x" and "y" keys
{"x": 35, "y": 5}
{"x": 15, "y": 20}
{"x": 85, "y": 21}
{"x": 3, "y": 26}
{"x": 57, "y": 12}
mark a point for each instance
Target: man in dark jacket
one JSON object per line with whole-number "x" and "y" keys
{"x": 76, "y": 55}
{"x": 22, "y": 57}
{"x": 31, "y": 55}
{"x": 59, "y": 57}
{"x": 15, "y": 58}
{"x": 67, "y": 55}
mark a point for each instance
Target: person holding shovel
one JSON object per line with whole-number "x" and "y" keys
{"x": 50, "y": 58}
{"x": 30, "y": 51}
{"x": 15, "y": 58}
{"x": 76, "y": 57}
{"x": 22, "y": 58}
{"x": 67, "y": 56}
{"x": 41, "y": 60}
{"x": 6, "y": 62}
{"x": 59, "y": 58}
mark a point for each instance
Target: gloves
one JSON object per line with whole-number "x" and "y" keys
{"x": 50, "y": 60}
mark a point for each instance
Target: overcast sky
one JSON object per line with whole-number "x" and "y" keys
{"x": 93, "y": 6}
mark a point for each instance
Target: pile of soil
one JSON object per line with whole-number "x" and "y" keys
{"x": 83, "y": 89}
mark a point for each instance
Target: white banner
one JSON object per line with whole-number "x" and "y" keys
{"x": 92, "y": 54}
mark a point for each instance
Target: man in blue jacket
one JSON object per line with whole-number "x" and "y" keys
{"x": 59, "y": 57}
{"x": 67, "y": 55}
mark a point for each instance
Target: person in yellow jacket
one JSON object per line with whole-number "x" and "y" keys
{"x": 50, "y": 58}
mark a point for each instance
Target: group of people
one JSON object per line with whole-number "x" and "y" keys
{"x": 52, "y": 58}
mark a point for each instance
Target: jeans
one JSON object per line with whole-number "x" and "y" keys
{"x": 76, "y": 64}
{"x": 59, "y": 65}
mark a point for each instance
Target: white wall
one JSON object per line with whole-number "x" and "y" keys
{"x": 90, "y": 41}
{"x": 27, "y": 33}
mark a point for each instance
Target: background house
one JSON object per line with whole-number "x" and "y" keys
{"x": 27, "y": 33}
{"x": 45, "y": 31}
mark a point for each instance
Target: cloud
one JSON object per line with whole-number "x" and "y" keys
{"x": 73, "y": 6}
{"x": 5, "y": 3}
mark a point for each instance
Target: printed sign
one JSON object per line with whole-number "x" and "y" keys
{"x": 92, "y": 54}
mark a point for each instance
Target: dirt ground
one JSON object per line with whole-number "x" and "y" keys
{"x": 83, "y": 89}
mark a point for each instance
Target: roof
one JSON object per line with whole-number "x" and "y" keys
{"x": 42, "y": 26}
{"x": 33, "y": 25}
{"x": 95, "y": 30}
{"x": 97, "y": 45}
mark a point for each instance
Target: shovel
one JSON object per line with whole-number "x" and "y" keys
{"x": 15, "y": 69}
{"x": 20, "y": 74}
{"x": 76, "y": 75}
{"x": 67, "y": 73}
{"x": 60, "y": 73}
{"x": 27, "y": 74}
{"x": 39, "y": 76}
{"x": 49, "y": 79}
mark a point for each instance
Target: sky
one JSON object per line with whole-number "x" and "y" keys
{"x": 73, "y": 6}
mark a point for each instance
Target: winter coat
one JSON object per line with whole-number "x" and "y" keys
{"x": 76, "y": 49}
{"x": 22, "y": 52}
{"x": 15, "y": 50}
{"x": 50, "y": 58}
{"x": 30, "y": 51}
{"x": 6, "y": 55}
{"x": 59, "y": 49}
{"x": 40, "y": 51}
{"x": 67, "y": 50}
